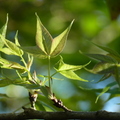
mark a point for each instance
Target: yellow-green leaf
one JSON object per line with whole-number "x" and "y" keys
{"x": 43, "y": 37}
{"x": 72, "y": 75}
{"x": 58, "y": 42}
{"x": 12, "y": 46}
{"x": 3, "y": 32}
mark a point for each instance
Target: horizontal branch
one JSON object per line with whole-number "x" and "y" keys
{"x": 34, "y": 114}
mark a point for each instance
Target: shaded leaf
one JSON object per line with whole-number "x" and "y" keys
{"x": 103, "y": 68}
{"x": 35, "y": 51}
{"x": 58, "y": 42}
{"x": 6, "y": 81}
{"x": 105, "y": 90}
{"x": 102, "y": 58}
{"x": 104, "y": 77}
{"x": 117, "y": 75}
{"x": 110, "y": 51}
{"x": 4, "y": 95}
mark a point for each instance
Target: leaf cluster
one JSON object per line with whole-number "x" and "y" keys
{"x": 46, "y": 47}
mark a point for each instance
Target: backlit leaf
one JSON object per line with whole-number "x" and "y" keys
{"x": 12, "y": 46}
{"x": 63, "y": 66}
{"x": 7, "y": 51}
{"x": 11, "y": 65}
{"x": 72, "y": 75}
{"x": 43, "y": 37}
{"x": 3, "y": 32}
{"x": 16, "y": 39}
{"x": 58, "y": 42}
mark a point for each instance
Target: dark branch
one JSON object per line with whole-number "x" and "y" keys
{"x": 34, "y": 114}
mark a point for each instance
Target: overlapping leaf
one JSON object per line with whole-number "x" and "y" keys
{"x": 68, "y": 70}
{"x": 58, "y": 42}
{"x": 46, "y": 46}
{"x": 35, "y": 51}
{"x": 11, "y": 65}
{"x": 114, "y": 54}
{"x": 6, "y": 81}
{"x": 14, "y": 49}
{"x": 108, "y": 65}
{"x": 102, "y": 58}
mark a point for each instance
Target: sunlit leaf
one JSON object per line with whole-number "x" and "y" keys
{"x": 72, "y": 75}
{"x": 67, "y": 70}
{"x": 30, "y": 62}
{"x": 7, "y": 51}
{"x": 16, "y": 39}
{"x": 3, "y": 32}
{"x": 63, "y": 66}
{"x": 12, "y": 46}
{"x": 58, "y": 42}
{"x": 35, "y": 51}
{"x": 43, "y": 37}
{"x": 11, "y": 65}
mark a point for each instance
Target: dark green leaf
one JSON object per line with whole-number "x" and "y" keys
{"x": 117, "y": 75}
{"x": 110, "y": 51}
{"x": 103, "y": 68}
{"x": 35, "y": 51}
{"x": 102, "y": 58}
{"x": 106, "y": 76}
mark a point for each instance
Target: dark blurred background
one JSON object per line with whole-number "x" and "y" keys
{"x": 95, "y": 20}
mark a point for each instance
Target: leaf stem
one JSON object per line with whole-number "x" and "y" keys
{"x": 49, "y": 77}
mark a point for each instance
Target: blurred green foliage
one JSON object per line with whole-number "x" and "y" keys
{"x": 92, "y": 22}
